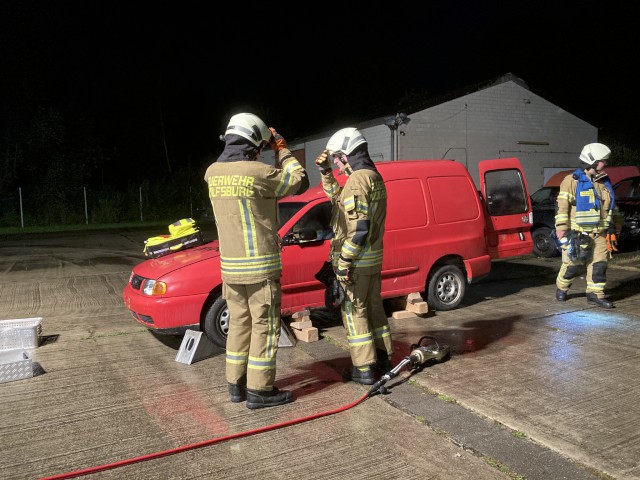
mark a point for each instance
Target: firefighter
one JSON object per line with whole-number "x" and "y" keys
{"x": 586, "y": 214}
{"x": 360, "y": 209}
{"x": 244, "y": 193}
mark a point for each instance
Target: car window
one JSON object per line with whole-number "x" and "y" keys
{"x": 318, "y": 219}
{"x": 286, "y": 210}
{"x": 505, "y": 192}
{"x": 545, "y": 195}
{"x": 629, "y": 188}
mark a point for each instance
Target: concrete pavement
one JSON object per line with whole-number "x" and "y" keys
{"x": 533, "y": 389}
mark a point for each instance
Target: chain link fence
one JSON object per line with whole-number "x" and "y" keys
{"x": 164, "y": 201}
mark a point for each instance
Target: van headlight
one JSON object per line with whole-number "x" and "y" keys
{"x": 153, "y": 287}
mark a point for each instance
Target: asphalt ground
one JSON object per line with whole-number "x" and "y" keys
{"x": 533, "y": 388}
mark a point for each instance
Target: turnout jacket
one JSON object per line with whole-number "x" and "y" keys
{"x": 585, "y": 204}
{"x": 244, "y": 194}
{"x": 359, "y": 214}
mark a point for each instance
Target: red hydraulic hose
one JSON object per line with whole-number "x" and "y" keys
{"x": 192, "y": 446}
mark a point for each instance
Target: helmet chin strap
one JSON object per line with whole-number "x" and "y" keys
{"x": 347, "y": 168}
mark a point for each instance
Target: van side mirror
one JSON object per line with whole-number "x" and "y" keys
{"x": 301, "y": 236}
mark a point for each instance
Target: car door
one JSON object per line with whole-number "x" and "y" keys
{"x": 302, "y": 258}
{"x": 507, "y": 207}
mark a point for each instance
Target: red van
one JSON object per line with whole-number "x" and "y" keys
{"x": 441, "y": 234}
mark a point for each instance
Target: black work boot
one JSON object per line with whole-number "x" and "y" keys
{"x": 601, "y": 302}
{"x": 238, "y": 391}
{"x": 561, "y": 295}
{"x": 271, "y": 398}
{"x": 384, "y": 362}
{"x": 364, "y": 377}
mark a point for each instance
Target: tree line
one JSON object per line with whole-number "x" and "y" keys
{"x": 55, "y": 174}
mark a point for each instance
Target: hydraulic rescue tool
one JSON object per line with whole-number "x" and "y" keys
{"x": 419, "y": 356}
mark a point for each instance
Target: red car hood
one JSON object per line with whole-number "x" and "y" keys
{"x": 158, "y": 267}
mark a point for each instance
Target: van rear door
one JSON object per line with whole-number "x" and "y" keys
{"x": 507, "y": 207}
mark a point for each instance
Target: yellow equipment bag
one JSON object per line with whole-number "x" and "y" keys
{"x": 183, "y": 234}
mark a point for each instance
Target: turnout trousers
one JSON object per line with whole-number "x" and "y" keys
{"x": 254, "y": 331}
{"x": 596, "y": 266}
{"x": 365, "y": 320}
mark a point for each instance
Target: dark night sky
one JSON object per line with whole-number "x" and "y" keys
{"x": 110, "y": 67}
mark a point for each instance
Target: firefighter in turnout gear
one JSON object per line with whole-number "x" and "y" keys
{"x": 359, "y": 213}
{"x": 586, "y": 214}
{"x": 244, "y": 193}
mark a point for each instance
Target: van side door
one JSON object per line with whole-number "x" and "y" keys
{"x": 507, "y": 207}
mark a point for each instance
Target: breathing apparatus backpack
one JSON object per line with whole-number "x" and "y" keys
{"x": 183, "y": 234}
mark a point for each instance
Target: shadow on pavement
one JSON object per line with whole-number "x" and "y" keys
{"x": 626, "y": 289}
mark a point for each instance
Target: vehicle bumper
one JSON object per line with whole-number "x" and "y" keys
{"x": 164, "y": 314}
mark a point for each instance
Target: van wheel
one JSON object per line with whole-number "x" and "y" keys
{"x": 446, "y": 288}
{"x": 543, "y": 244}
{"x": 216, "y": 322}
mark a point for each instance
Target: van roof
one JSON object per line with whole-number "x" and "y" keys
{"x": 389, "y": 170}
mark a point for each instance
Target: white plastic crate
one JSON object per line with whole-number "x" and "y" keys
{"x": 15, "y": 365}
{"x": 20, "y": 333}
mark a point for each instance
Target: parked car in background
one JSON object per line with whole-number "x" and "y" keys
{"x": 627, "y": 199}
{"x": 544, "y": 206}
{"x": 627, "y": 194}
{"x": 615, "y": 174}
{"x": 441, "y": 234}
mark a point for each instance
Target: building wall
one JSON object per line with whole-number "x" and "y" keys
{"x": 504, "y": 120}
{"x": 501, "y": 121}
{"x": 377, "y": 135}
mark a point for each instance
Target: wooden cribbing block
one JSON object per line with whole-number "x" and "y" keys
{"x": 400, "y": 314}
{"x": 301, "y": 313}
{"x": 302, "y": 324}
{"x": 418, "y": 307}
{"x": 411, "y": 299}
{"x": 306, "y": 334}
{"x": 414, "y": 298}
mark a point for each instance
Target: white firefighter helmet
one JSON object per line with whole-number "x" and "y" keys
{"x": 345, "y": 141}
{"x": 249, "y": 126}
{"x": 594, "y": 152}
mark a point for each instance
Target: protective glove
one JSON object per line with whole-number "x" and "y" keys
{"x": 612, "y": 242}
{"x": 277, "y": 141}
{"x": 323, "y": 164}
{"x": 342, "y": 271}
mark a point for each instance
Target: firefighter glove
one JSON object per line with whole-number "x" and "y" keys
{"x": 277, "y": 141}
{"x": 342, "y": 271}
{"x": 322, "y": 161}
{"x": 612, "y": 242}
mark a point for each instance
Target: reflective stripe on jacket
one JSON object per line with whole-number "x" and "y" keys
{"x": 363, "y": 198}
{"x": 244, "y": 197}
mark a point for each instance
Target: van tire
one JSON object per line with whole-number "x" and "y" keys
{"x": 543, "y": 244}
{"x": 216, "y": 322}
{"x": 446, "y": 288}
